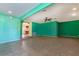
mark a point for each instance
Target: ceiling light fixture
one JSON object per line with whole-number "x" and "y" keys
{"x": 74, "y": 14}
{"x": 74, "y": 8}
{"x": 10, "y": 12}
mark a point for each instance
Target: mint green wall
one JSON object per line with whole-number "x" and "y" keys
{"x": 45, "y": 29}
{"x": 69, "y": 29}
{"x": 9, "y": 28}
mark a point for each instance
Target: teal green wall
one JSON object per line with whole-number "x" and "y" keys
{"x": 35, "y": 28}
{"x": 45, "y": 29}
{"x": 9, "y": 29}
{"x": 69, "y": 29}
{"x": 65, "y": 29}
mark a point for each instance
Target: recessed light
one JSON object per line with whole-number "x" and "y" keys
{"x": 74, "y": 14}
{"x": 10, "y": 12}
{"x": 74, "y": 8}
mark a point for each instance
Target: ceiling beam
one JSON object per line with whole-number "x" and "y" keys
{"x": 35, "y": 10}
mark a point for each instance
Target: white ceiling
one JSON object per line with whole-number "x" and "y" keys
{"x": 16, "y": 9}
{"x": 59, "y": 12}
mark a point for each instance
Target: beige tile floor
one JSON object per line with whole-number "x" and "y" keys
{"x": 41, "y": 46}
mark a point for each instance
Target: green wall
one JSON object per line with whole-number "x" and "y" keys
{"x": 65, "y": 29}
{"x": 45, "y": 29}
{"x": 69, "y": 29}
{"x": 35, "y": 28}
{"x": 9, "y": 28}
